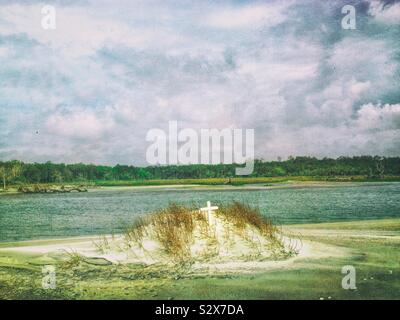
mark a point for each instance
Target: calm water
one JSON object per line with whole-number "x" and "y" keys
{"x": 106, "y": 211}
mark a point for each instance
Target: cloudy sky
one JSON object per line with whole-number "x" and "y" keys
{"x": 90, "y": 90}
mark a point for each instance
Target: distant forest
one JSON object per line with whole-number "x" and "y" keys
{"x": 17, "y": 172}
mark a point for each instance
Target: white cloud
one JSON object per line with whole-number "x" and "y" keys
{"x": 81, "y": 124}
{"x": 372, "y": 117}
{"x": 247, "y": 16}
{"x": 80, "y": 32}
{"x": 364, "y": 57}
{"x": 389, "y": 14}
{"x": 4, "y": 52}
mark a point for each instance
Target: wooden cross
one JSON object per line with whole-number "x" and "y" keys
{"x": 209, "y": 209}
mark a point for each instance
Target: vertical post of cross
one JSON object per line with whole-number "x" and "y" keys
{"x": 209, "y": 209}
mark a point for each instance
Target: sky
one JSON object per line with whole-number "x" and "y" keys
{"x": 90, "y": 90}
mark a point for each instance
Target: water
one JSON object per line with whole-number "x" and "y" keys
{"x": 36, "y": 216}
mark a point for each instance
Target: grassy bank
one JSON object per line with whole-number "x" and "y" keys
{"x": 373, "y": 247}
{"x": 235, "y": 181}
{"x": 244, "y": 180}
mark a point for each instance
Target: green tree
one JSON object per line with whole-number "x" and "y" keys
{"x": 4, "y": 176}
{"x": 15, "y": 170}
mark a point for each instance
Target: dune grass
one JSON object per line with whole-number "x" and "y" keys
{"x": 243, "y": 215}
{"x": 176, "y": 227}
{"x": 173, "y": 227}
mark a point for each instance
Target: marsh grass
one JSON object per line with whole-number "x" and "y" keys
{"x": 136, "y": 232}
{"x": 242, "y": 215}
{"x": 74, "y": 259}
{"x": 176, "y": 228}
{"x": 294, "y": 243}
{"x": 173, "y": 228}
{"x": 102, "y": 245}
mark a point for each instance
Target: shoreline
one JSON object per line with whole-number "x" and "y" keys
{"x": 288, "y": 184}
{"x": 87, "y": 248}
{"x": 343, "y": 226}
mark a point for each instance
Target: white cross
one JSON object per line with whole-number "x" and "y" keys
{"x": 209, "y": 209}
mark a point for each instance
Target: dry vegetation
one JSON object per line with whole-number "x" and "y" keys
{"x": 179, "y": 230}
{"x": 173, "y": 227}
{"x": 242, "y": 216}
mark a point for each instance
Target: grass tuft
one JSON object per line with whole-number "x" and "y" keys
{"x": 242, "y": 215}
{"x": 173, "y": 228}
{"x": 176, "y": 227}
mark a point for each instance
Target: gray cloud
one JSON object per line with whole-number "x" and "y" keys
{"x": 90, "y": 90}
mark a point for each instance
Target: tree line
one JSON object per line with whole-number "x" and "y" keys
{"x": 18, "y": 172}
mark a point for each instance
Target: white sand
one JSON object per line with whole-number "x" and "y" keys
{"x": 215, "y": 246}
